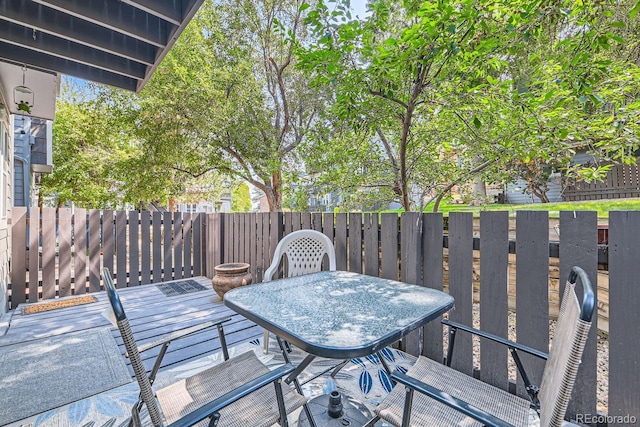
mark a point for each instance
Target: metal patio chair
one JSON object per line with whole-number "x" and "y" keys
{"x": 239, "y": 391}
{"x": 304, "y": 250}
{"x": 447, "y": 397}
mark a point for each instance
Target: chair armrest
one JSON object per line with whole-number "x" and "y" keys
{"x": 182, "y": 333}
{"x": 492, "y": 337}
{"x": 234, "y": 395}
{"x": 451, "y": 401}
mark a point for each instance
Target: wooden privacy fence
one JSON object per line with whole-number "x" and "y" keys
{"x": 61, "y": 253}
{"x": 622, "y": 181}
{"x": 410, "y": 248}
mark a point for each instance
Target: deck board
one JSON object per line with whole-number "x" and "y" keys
{"x": 151, "y": 315}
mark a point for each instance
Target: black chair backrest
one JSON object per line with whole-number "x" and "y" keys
{"x": 146, "y": 392}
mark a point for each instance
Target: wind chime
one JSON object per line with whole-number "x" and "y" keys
{"x": 22, "y": 95}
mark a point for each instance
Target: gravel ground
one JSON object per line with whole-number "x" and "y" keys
{"x": 603, "y": 356}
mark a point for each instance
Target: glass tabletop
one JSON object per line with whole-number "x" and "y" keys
{"x": 338, "y": 314}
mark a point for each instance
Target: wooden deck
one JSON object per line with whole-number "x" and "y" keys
{"x": 151, "y": 314}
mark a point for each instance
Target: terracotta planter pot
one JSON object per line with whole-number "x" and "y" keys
{"x": 229, "y": 276}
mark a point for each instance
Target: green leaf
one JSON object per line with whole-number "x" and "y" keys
{"x": 635, "y": 10}
{"x": 492, "y": 80}
{"x": 477, "y": 123}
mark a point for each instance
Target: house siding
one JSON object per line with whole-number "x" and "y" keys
{"x": 515, "y": 194}
{"x": 6, "y": 197}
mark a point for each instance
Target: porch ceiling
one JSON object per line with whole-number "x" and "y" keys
{"x": 114, "y": 42}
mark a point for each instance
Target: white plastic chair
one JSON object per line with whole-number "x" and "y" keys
{"x": 305, "y": 250}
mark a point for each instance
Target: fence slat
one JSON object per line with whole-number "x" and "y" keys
{"x": 239, "y": 239}
{"x": 177, "y": 245}
{"x": 167, "y": 255}
{"x": 254, "y": 232}
{"x": 134, "y": 252}
{"x": 64, "y": 252}
{"x": 432, "y": 277}
{"x": 108, "y": 239}
{"x": 532, "y": 295}
{"x": 316, "y": 221}
{"x": 389, "y": 239}
{"x": 305, "y": 220}
{"x": 461, "y": 285}
{"x": 410, "y": 253}
{"x": 624, "y": 333}
{"x": 275, "y": 232}
{"x": 259, "y": 247}
{"x": 34, "y": 255}
{"x": 80, "y": 251}
{"x": 157, "y": 246}
{"x": 121, "y": 249}
{"x": 247, "y": 238}
{"x": 94, "y": 250}
{"x": 355, "y": 242}
{"x": 579, "y": 246}
{"x": 145, "y": 247}
{"x": 494, "y": 265}
{"x": 328, "y": 228}
{"x": 371, "y": 245}
{"x": 341, "y": 241}
{"x": 187, "y": 226}
{"x": 48, "y": 253}
{"x": 200, "y": 244}
{"x": 19, "y": 245}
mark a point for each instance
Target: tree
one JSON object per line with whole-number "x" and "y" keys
{"x": 440, "y": 92}
{"x": 232, "y": 104}
{"x": 240, "y": 198}
{"x": 86, "y": 152}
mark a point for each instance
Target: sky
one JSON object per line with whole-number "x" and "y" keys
{"x": 359, "y": 7}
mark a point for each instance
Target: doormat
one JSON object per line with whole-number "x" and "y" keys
{"x": 40, "y": 375}
{"x": 180, "y": 288}
{"x": 53, "y": 305}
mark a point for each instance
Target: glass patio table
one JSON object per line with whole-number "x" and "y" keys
{"x": 338, "y": 314}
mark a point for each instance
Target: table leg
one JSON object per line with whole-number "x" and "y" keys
{"x": 301, "y": 367}
{"x": 384, "y": 364}
{"x": 295, "y": 381}
{"x": 339, "y": 367}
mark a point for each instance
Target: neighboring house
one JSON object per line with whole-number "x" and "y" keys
{"x": 32, "y": 157}
{"x": 515, "y": 191}
{"x": 222, "y": 205}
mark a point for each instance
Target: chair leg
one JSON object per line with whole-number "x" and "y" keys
{"x": 214, "y": 419}
{"x": 408, "y": 403}
{"x": 372, "y": 422}
{"x": 283, "y": 421}
{"x": 265, "y": 342}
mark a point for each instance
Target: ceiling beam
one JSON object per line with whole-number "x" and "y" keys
{"x": 61, "y": 48}
{"x": 116, "y": 16}
{"x": 23, "y": 55}
{"x": 38, "y": 17}
{"x": 168, "y": 10}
